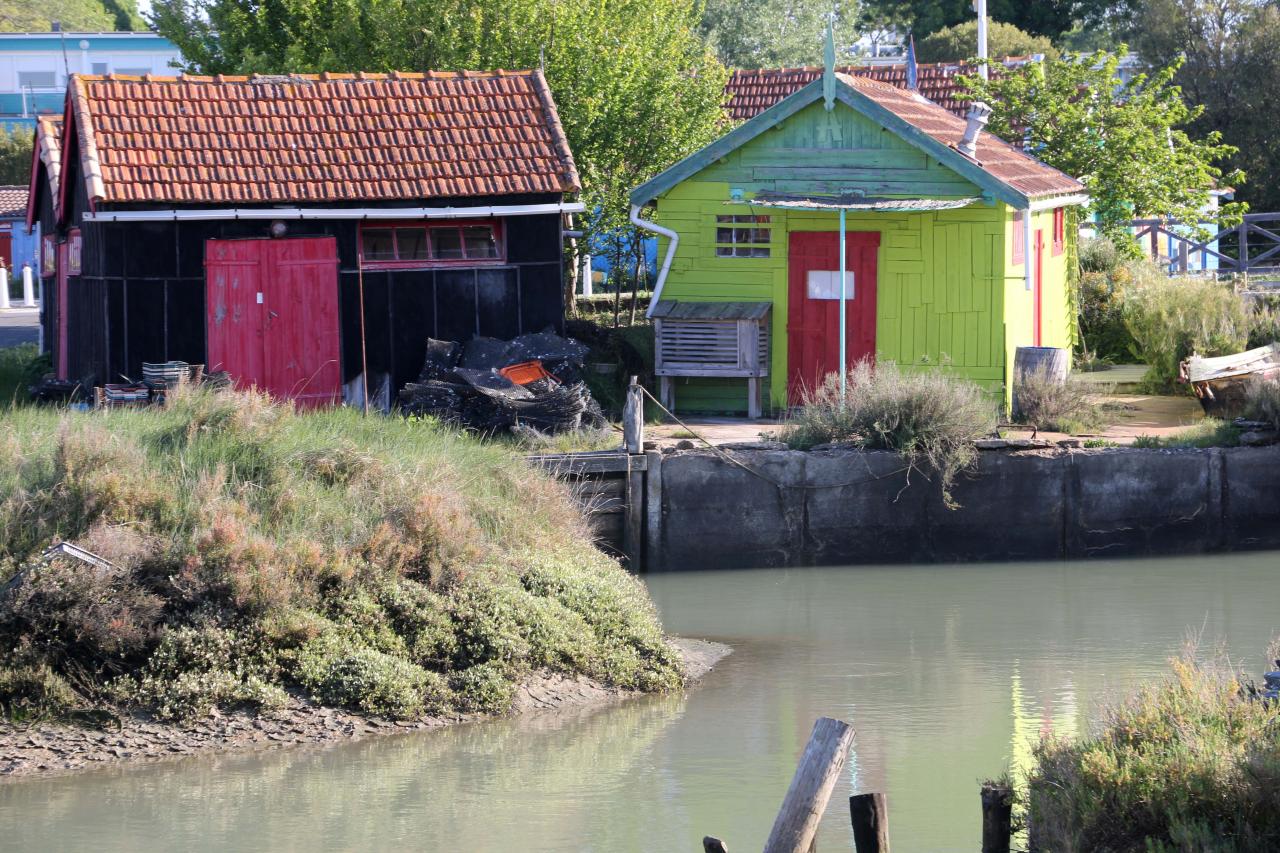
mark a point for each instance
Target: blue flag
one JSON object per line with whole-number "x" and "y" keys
{"x": 911, "y": 63}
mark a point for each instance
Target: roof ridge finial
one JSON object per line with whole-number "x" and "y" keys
{"x": 829, "y": 66}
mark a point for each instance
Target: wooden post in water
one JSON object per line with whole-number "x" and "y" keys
{"x": 816, "y": 776}
{"x": 870, "y": 816}
{"x": 711, "y": 844}
{"x": 997, "y": 817}
{"x": 633, "y": 418}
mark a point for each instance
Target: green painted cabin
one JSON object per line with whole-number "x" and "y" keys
{"x": 936, "y": 240}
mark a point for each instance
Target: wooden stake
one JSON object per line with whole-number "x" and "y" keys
{"x": 997, "y": 817}
{"x": 870, "y": 816}
{"x": 816, "y": 776}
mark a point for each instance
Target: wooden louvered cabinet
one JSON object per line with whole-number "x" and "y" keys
{"x": 715, "y": 340}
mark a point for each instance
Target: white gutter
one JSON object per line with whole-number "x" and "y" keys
{"x": 268, "y": 213}
{"x": 1059, "y": 201}
{"x": 655, "y": 228}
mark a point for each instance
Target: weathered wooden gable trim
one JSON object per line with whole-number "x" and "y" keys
{"x": 944, "y": 154}
{"x": 794, "y": 103}
{"x": 731, "y": 141}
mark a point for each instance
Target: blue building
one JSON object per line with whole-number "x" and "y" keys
{"x": 34, "y": 66}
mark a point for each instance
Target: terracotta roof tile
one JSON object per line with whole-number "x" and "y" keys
{"x": 328, "y": 137}
{"x": 13, "y": 201}
{"x": 49, "y": 148}
{"x": 1001, "y": 160}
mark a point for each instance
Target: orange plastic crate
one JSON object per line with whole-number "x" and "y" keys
{"x": 526, "y": 372}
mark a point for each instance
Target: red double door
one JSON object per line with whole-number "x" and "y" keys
{"x": 272, "y": 316}
{"x": 813, "y": 305}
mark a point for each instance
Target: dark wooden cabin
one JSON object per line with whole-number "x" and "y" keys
{"x": 293, "y": 229}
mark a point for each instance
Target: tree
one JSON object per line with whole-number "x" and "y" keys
{"x": 960, "y": 42}
{"x": 19, "y": 16}
{"x": 15, "y": 155}
{"x": 1049, "y": 18}
{"x": 1232, "y": 68}
{"x": 1124, "y": 141}
{"x": 775, "y": 33}
{"x": 635, "y": 85}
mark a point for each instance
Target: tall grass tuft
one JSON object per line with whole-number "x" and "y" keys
{"x": 1057, "y": 404}
{"x": 369, "y": 562}
{"x": 929, "y": 417}
{"x": 1262, "y": 401}
{"x": 1191, "y": 763}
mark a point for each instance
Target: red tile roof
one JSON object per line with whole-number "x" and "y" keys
{"x": 319, "y": 138}
{"x": 998, "y": 158}
{"x": 752, "y": 91}
{"x": 13, "y": 201}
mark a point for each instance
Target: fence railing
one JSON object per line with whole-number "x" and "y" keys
{"x": 1255, "y": 241}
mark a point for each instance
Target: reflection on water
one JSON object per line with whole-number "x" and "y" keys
{"x": 948, "y": 674}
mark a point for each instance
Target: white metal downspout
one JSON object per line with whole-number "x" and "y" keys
{"x": 655, "y": 228}
{"x": 1027, "y": 232}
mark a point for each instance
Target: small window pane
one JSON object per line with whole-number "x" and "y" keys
{"x": 724, "y": 235}
{"x": 37, "y": 80}
{"x": 480, "y": 241}
{"x": 411, "y": 244}
{"x": 446, "y": 244}
{"x": 825, "y": 284}
{"x": 99, "y": 68}
{"x": 134, "y": 72}
{"x": 378, "y": 245}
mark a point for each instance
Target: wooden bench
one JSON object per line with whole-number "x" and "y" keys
{"x": 712, "y": 339}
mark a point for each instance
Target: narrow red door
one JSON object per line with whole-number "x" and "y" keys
{"x": 272, "y": 316}
{"x": 301, "y": 321}
{"x": 64, "y": 264}
{"x": 233, "y": 300}
{"x": 813, "y": 305}
{"x": 1038, "y": 293}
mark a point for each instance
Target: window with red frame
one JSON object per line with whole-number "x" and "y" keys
{"x": 416, "y": 244}
{"x": 1059, "y": 230}
{"x": 1019, "y": 239}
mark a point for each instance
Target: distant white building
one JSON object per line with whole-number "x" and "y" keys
{"x": 34, "y": 66}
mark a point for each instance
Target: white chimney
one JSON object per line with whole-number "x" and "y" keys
{"x": 978, "y": 115}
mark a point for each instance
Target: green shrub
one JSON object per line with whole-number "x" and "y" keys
{"x": 1100, "y": 255}
{"x": 338, "y": 671}
{"x": 929, "y": 417}
{"x": 1172, "y": 318}
{"x": 1056, "y": 404}
{"x": 21, "y": 367}
{"x": 487, "y": 688}
{"x": 245, "y": 536}
{"x": 34, "y": 692}
{"x": 1189, "y": 764}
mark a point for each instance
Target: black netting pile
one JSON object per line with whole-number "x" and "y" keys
{"x": 461, "y": 384}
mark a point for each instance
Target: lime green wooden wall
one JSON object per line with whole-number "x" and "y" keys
{"x": 1057, "y": 313}
{"x": 945, "y": 279}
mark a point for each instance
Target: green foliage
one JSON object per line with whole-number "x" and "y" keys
{"x": 1170, "y": 319}
{"x": 960, "y": 42}
{"x": 1126, "y": 141}
{"x": 15, "y": 157}
{"x": 487, "y": 687}
{"x": 635, "y": 85}
{"x": 338, "y": 671}
{"x": 1056, "y": 404}
{"x": 775, "y": 33}
{"x": 21, "y": 367}
{"x": 1262, "y": 401}
{"x": 1191, "y": 763}
{"x": 1232, "y": 68}
{"x": 367, "y": 561}
{"x": 17, "y": 16}
{"x": 929, "y": 417}
{"x": 30, "y": 693}
{"x": 1209, "y": 432}
{"x": 1049, "y": 18}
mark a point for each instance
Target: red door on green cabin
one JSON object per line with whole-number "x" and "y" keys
{"x": 272, "y": 316}
{"x": 813, "y": 305}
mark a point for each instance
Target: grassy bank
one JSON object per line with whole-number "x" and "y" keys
{"x": 1188, "y": 764}
{"x": 391, "y": 567}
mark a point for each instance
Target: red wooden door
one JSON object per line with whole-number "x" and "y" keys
{"x": 301, "y": 321}
{"x": 1038, "y": 293}
{"x": 272, "y": 316}
{"x": 813, "y": 305}
{"x": 64, "y": 264}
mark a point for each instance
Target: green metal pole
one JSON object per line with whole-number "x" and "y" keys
{"x": 844, "y": 360}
